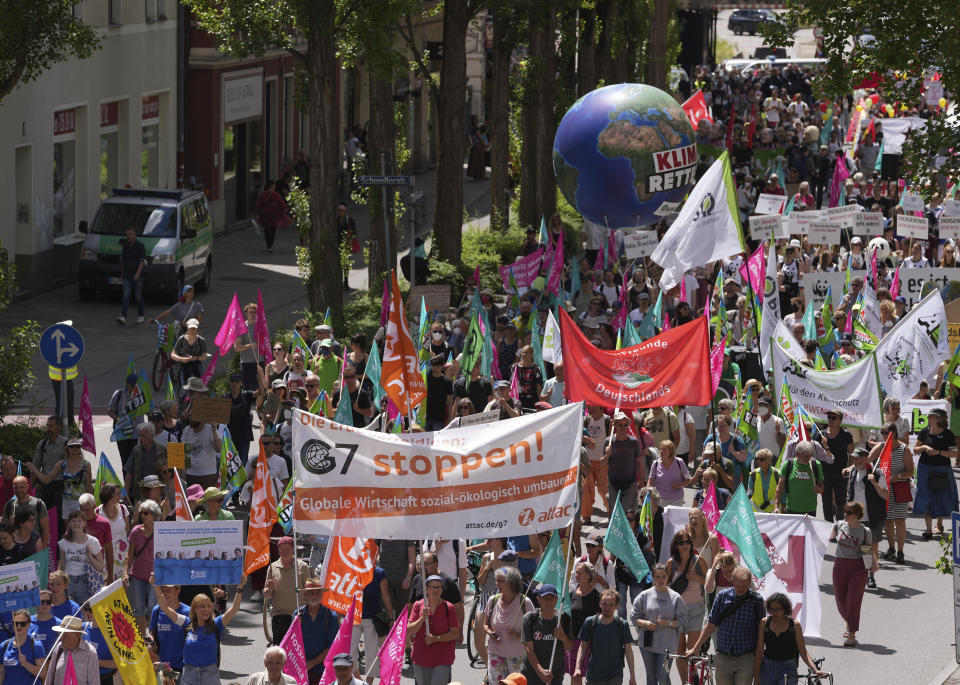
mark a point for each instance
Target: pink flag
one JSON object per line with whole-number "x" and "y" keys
{"x": 556, "y": 269}
{"x": 385, "y": 307}
{"x": 262, "y": 332}
{"x": 840, "y": 174}
{"x": 232, "y": 328}
{"x": 211, "y": 367}
{"x": 620, "y": 320}
{"x": 514, "y": 384}
{"x": 848, "y": 326}
{"x": 476, "y": 276}
{"x": 716, "y": 364}
{"x": 873, "y": 268}
{"x": 612, "y": 254}
{"x": 683, "y": 288}
{"x": 895, "y": 284}
{"x": 86, "y": 420}
{"x": 712, "y": 513}
{"x": 54, "y": 548}
{"x": 391, "y": 653}
{"x": 393, "y": 411}
{"x": 341, "y": 645}
{"x": 598, "y": 262}
{"x": 756, "y": 264}
{"x": 665, "y": 326}
{"x": 70, "y": 674}
{"x": 292, "y": 644}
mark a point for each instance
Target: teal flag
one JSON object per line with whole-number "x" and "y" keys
{"x": 486, "y": 363}
{"x": 544, "y": 238}
{"x": 574, "y": 278}
{"x": 622, "y": 543}
{"x": 552, "y": 570}
{"x": 630, "y": 335}
{"x": 373, "y": 369}
{"x": 475, "y": 304}
{"x": 658, "y": 311}
{"x": 42, "y": 561}
{"x": 536, "y": 344}
{"x": 809, "y": 322}
{"x": 344, "y": 413}
{"x": 739, "y": 524}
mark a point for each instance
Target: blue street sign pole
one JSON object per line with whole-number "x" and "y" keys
{"x": 955, "y": 521}
{"x": 61, "y": 346}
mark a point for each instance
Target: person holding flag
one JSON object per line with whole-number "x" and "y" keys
{"x": 284, "y": 577}
{"x": 895, "y": 459}
{"x": 435, "y": 634}
{"x": 543, "y": 628}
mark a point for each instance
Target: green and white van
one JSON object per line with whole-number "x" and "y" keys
{"x": 174, "y": 226}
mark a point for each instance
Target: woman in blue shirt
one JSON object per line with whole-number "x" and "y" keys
{"x": 92, "y": 634}
{"x": 62, "y": 605}
{"x": 201, "y": 647}
{"x": 44, "y": 621}
{"x": 22, "y": 655}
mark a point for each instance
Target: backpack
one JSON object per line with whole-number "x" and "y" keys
{"x": 591, "y": 623}
{"x": 787, "y": 471}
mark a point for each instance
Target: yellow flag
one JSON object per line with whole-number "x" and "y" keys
{"x": 114, "y": 617}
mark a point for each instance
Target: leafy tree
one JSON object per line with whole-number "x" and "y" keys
{"x": 17, "y": 346}
{"x": 909, "y": 40}
{"x": 37, "y": 34}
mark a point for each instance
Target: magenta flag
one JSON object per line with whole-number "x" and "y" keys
{"x": 873, "y": 268}
{"x": 292, "y": 644}
{"x": 665, "y": 326}
{"x": 620, "y": 320}
{"x": 385, "y": 306}
{"x": 683, "y": 288}
{"x": 556, "y": 269}
{"x": 712, "y": 513}
{"x": 232, "y": 328}
{"x": 70, "y": 673}
{"x": 54, "y": 547}
{"x": 840, "y": 174}
{"x": 86, "y": 420}
{"x": 341, "y": 645}
{"x": 211, "y": 367}
{"x": 391, "y": 653}
{"x": 756, "y": 271}
{"x": 598, "y": 262}
{"x": 716, "y": 364}
{"x": 476, "y": 276}
{"x": 895, "y": 284}
{"x": 514, "y": 385}
{"x": 262, "y": 332}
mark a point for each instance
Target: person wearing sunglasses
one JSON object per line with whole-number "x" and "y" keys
{"x": 276, "y": 368}
{"x": 358, "y": 397}
{"x": 44, "y": 621}
{"x": 240, "y": 424}
{"x": 439, "y": 395}
{"x": 23, "y": 653}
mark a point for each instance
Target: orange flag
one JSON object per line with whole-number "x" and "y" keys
{"x": 182, "y": 509}
{"x": 263, "y": 514}
{"x": 400, "y": 375}
{"x": 347, "y": 569}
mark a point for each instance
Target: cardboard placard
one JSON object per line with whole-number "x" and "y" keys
{"x": 768, "y": 203}
{"x": 844, "y": 216}
{"x": 952, "y": 310}
{"x": 176, "y": 455}
{"x": 483, "y": 417}
{"x": 800, "y": 222}
{"x": 912, "y": 227}
{"x": 762, "y": 227}
{"x": 206, "y": 409}
{"x": 639, "y": 244}
{"x": 951, "y": 207}
{"x": 949, "y": 227}
{"x": 435, "y": 297}
{"x": 912, "y": 202}
{"x": 868, "y": 224}
{"x": 823, "y": 233}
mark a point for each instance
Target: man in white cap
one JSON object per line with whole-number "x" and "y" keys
{"x": 343, "y": 668}
{"x": 84, "y": 655}
{"x": 324, "y": 332}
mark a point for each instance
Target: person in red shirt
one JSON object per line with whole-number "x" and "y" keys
{"x": 271, "y": 213}
{"x": 99, "y": 527}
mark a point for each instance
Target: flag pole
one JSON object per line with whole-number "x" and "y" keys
{"x": 566, "y": 576}
{"x": 423, "y": 583}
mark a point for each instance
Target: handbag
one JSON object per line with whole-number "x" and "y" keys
{"x": 901, "y": 491}
{"x": 94, "y": 579}
{"x": 937, "y": 481}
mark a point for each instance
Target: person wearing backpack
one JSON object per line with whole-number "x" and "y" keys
{"x": 202, "y": 635}
{"x": 608, "y": 640}
{"x": 763, "y": 481}
{"x": 800, "y": 483}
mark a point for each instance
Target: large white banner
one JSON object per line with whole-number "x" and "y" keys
{"x": 914, "y": 348}
{"x": 852, "y": 390}
{"x": 513, "y": 477}
{"x": 917, "y": 412}
{"x": 796, "y": 545}
{"x": 911, "y": 283}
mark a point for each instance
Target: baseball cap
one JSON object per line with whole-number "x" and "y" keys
{"x": 764, "y": 400}
{"x": 547, "y": 590}
{"x": 326, "y": 342}
{"x": 278, "y": 383}
{"x": 74, "y": 442}
{"x": 502, "y": 384}
{"x": 795, "y": 243}
{"x": 285, "y": 540}
{"x": 343, "y": 659}
{"x": 434, "y": 577}
{"x": 620, "y": 416}
{"x": 155, "y": 415}
{"x": 132, "y": 379}
{"x": 860, "y": 452}
{"x": 192, "y": 323}
{"x": 236, "y": 376}
{"x": 856, "y": 239}
{"x": 595, "y": 538}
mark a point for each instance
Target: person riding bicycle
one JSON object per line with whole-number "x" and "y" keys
{"x": 189, "y": 352}
{"x": 187, "y": 307}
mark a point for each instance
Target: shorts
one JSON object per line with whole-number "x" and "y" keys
{"x": 141, "y": 596}
{"x": 695, "y": 614}
{"x": 877, "y": 532}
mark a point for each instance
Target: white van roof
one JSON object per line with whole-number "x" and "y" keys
{"x": 798, "y": 62}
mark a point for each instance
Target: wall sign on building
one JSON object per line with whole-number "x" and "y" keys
{"x": 151, "y": 107}
{"x": 64, "y": 122}
{"x": 242, "y": 97}
{"x": 109, "y": 114}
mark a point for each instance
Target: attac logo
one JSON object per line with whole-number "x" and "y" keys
{"x": 526, "y": 517}
{"x": 316, "y": 457}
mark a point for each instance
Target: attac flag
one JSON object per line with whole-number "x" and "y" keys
{"x": 86, "y": 420}
{"x": 233, "y": 326}
{"x": 106, "y": 474}
{"x": 672, "y": 368}
{"x": 401, "y": 368}
{"x": 113, "y": 615}
{"x": 391, "y": 652}
{"x": 622, "y": 543}
{"x": 710, "y": 210}
{"x": 262, "y": 332}
{"x": 292, "y": 643}
{"x": 182, "y": 504}
{"x": 739, "y": 524}
{"x": 263, "y": 514}
{"x": 696, "y": 109}
{"x": 347, "y": 569}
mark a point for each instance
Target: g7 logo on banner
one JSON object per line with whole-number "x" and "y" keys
{"x": 317, "y": 457}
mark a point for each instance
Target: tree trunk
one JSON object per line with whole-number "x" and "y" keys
{"x": 529, "y": 120}
{"x": 546, "y": 183}
{"x": 587, "y": 54}
{"x": 656, "y": 56}
{"x": 451, "y": 136}
{"x": 606, "y": 48}
{"x": 380, "y": 139}
{"x": 325, "y": 286}
{"x": 500, "y": 124}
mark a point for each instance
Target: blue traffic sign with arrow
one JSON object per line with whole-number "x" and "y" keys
{"x": 61, "y": 346}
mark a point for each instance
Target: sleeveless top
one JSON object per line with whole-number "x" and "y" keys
{"x": 780, "y": 647}
{"x": 693, "y": 593}
{"x": 74, "y": 485}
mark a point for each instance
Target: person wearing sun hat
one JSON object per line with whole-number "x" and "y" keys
{"x": 212, "y": 502}
{"x": 85, "y": 663}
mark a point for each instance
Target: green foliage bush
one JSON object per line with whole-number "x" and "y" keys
{"x": 16, "y": 346}
{"x": 20, "y": 439}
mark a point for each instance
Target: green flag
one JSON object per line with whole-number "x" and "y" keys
{"x": 819, "y": 364}
{"x": 953, "y": 369}
{"x": 327, "y": 319}
{"x": 472, "y": 347}
{"x": 739, "y": 524}
{"x": 137, "y": 402}
{"x": 232, "y": 471}
{"x": 300, "y": 344}
{"x": 746, "y": 417}
{"x": 373, "y": 369}
{"x": 285, "y": 508}
{"x": 809, "y": 323}
{"x": 863, "y": 338}
{"x": 622, "y": 543}
{"x": 535, "y": 342}
{"x": 826, "y": 315}
{"x": 106, "y": 474}
{"x": 42, "y": 562}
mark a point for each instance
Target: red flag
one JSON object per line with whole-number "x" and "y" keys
{"x": 671, "y": 368}
{"x": 86, "y": 420}
{"x": 233, "y": 326}
{"x": 696, "y": 109}
{"x": 400, "y": 375}
{"x": 263, "y": 514}
{"x": 262, "y": 332}
{"x": 883, "y": 463}
{"x": 182, "y": 508}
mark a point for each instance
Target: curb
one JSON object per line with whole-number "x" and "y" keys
{"x": 943, "y": 675}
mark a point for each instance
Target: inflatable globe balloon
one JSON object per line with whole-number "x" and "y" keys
{"x": 625, "y": 155}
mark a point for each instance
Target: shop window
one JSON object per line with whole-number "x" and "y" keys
{"x": 150, "y": 10}
{"x": 115, "y": 12}
{"x": 150, "y": 157}
{"x": 64, "y": 187}
{"x": 109, "y": 159}
{"x": 162, "y": 10}
{"x": 289, "y": 112}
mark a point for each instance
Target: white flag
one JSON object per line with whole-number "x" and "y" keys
{"x": 552, "y": 350}
{"x": 914, "y": 348}
{"x": 770, "y": 319}
{"x": 707, "y": 229}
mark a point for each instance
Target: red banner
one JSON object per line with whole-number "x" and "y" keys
{"x": 672, "y": 368}
{"x": 696, "y": 109}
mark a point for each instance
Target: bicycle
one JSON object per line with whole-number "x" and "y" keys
{"x": 474, "y": 560}
{"x": 810, "y": 677}
{"x": 700, "y": 668}
{"x": 162, "y": 362}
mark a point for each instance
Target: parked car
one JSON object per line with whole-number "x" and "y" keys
{"x": 747, "y": 21}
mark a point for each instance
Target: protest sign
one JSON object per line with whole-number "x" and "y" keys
{"x": 506, "y": 478}
{"x": 868, "y": 224}
{"x": 214, "y": 410}
{"x": 912, "y": 202}
{"x": 764, "y": 226}
{"x": 768, "y": 203}
{"x": 911, "y": 283}
{"x": 524, "y": 271}
{"x": 795, "y": 546}
{"x": 912, "y": 226}
{"x": 823, "y": 233}
{"x": 949, "y": 227}
{"x": 483, "y": 417}
{"x": 853, "y": 390}
{"x": 800, "y": 222}
{"x": 198, "y": 552}
{"x": 671, "y": 368}
{"x": 639, "y": 244}
{"x": 177, "y": 455}
{"x": 916, "y": 412}
{"x": 844, "y": 215}
{"x": 19, "y": 586}
{"x": 436, "y": 298}
{"x": 951, "y": 208}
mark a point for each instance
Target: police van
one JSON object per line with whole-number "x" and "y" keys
{"x": 174, "y": 226}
